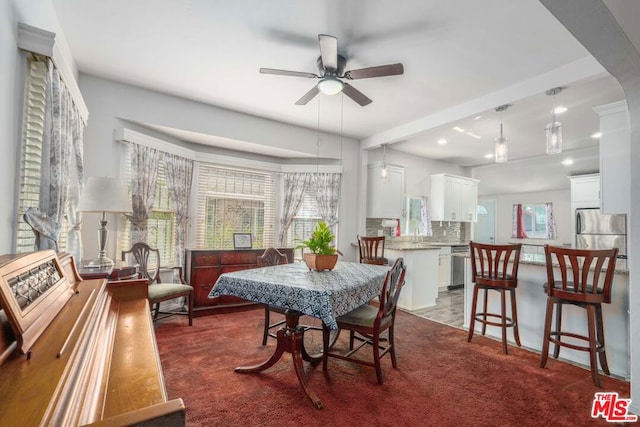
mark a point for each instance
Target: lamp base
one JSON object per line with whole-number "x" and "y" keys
{"x": 100, "y": 263}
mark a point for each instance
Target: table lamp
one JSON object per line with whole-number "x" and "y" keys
{"x": 104, "y": 195}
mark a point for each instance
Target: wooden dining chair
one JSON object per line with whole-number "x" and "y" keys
{"x": 368, "y": 322}
{"x": 148, "y": 260}
{"x": 495, "y": 268}
{"x": 270, "y": 257}
{"x": 583, "y": 278}
{"x": 371, "y": 250}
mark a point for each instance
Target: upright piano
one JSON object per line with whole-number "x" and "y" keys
{"x": 77, "y": 352}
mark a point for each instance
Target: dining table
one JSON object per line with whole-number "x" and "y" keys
{"x": 301, "y": 291}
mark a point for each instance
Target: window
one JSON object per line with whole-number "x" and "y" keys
{"x": 234, "y": 201}
{"x": 535, "y": 220}
{"x": 161, "y": 222}
{"x": 304, "y": 221}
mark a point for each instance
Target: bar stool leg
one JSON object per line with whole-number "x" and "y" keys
{"x": 474, "y": 306}
{"x": 591, "y": 320}
{"x": 503, "y": 308}
{"x": 547, "y": 331}
{"x": 514, "y": 314}
{"x": 556, "y": 348}
{"x": 484, "y": 311}
{"x": 600, "y": 335}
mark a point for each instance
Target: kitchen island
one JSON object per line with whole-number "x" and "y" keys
{"x": 421, "y": 279}
{"x": 531, "y": 300}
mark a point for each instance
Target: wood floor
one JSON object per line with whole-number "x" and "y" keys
{"x": 449, "y": 308}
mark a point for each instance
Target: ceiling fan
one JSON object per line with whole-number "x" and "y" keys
{"x": 331, "y": 66}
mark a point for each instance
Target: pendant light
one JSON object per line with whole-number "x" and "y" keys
{"x": 553, "y": 130}
{"x": 385, "y": 172}
{"x": 500, "y": 145}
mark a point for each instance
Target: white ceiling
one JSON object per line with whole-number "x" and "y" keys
{"x": 462, "y": 59}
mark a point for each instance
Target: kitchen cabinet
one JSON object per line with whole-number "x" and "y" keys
{"x": 585, "y": 191}
{"x": 204, "y": 266}
{"x": 385, "y": 196}
{"x": 615, "y": 163}
{"x": 444, "y": 268}
{"x": 453, "y": 198}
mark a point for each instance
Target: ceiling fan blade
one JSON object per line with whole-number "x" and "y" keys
{"x": 288, "y": 73}
{"x": 308, "y": 96}
{"x": 379, "y": 71}
{"x": 356, "y": 95}
{"x": 328, "y": 51}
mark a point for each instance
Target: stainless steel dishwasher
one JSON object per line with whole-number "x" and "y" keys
{"x": 457, "y": 267}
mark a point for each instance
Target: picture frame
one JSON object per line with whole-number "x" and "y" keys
{"x": 242, "y": 241}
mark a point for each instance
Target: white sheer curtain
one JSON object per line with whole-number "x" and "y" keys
{"x": 144, "y": 175}
{"x": 63, "y": 176}
{"x": 425, "y": 220}
{"x": 551, "y": 222}
{"x": 179, "y": 177}
{"x": 295, "y": 184}
{"x": 328, "y": 195}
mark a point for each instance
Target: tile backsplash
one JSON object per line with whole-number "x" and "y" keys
{"x": 449, "y": 232}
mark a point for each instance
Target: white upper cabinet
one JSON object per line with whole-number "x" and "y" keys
{"x": 385, "y": 196}
{"x": 615, "y": 158}
{"x": 453, "y": 198}
{"x": 585, "y": 191}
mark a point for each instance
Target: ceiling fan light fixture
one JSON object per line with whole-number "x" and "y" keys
{"x": 330, "y": 85}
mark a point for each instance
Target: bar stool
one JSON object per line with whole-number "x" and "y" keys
{"x": 495, "y": 267}
{"x": 371, "y": 250}
{"x": 584, "y": 278}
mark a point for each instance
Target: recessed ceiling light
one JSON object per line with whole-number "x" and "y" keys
{"x": 473, "y": 135}
{"x": 488, "y": 156}
{"x": 442, "y": 141}
{"x": 458, "y": 129}
{"x": 596, "y": 135}
{"x": 477, "y": 117}
{"x": 560, "y": 109}
{"x": 567, "y": 162}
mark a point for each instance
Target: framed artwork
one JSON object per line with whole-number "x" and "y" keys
{"x": 242, "y": 241}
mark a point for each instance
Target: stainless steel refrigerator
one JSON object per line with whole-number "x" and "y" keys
{"x": 595, "y": 230}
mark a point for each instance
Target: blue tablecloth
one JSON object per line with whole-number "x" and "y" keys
{"x": 325, "y": 295}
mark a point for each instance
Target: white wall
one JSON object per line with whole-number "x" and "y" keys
{"x": 110, "y": 103}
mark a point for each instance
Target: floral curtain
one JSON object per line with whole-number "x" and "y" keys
{"x": 63, "y": 175}
{"x": 144, "y": 168}
{"x": 551, "y": 222}
{"x": 295, "y": 184}
{"x": 179, "y": 176}
{"x": 425, "y": 220}
{"x": 517, "y": 224}
{"x": 328, "y": 196}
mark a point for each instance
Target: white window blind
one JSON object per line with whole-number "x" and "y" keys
{"x": 234, "y": 201}
{"x": 32, "y": 154}
{"x": 304, "y": 221}
{"x": 161, "y": 222}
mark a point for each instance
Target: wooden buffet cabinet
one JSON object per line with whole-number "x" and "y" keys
{"x": 204, "y": 266}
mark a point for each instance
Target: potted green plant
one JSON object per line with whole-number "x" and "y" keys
{"x": 323, "y": 256}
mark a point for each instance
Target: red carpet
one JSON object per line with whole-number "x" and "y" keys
{"x": 441, "y": 380}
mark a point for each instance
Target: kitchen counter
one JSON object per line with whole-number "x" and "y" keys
{"x": 532, "y": 300}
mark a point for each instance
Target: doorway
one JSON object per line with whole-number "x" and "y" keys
{"x": 484, "y": 230}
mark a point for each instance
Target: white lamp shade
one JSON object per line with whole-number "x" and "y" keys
{"x": 330, "y": 85}
{"x": 104, "y": 195}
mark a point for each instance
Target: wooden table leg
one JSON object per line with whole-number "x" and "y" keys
{"x": 290, "y": 341}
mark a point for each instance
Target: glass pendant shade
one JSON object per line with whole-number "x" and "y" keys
{"x": 554, "y": 137}
{"x": 500, "y": 154}
{"x": 384, "y": 173}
